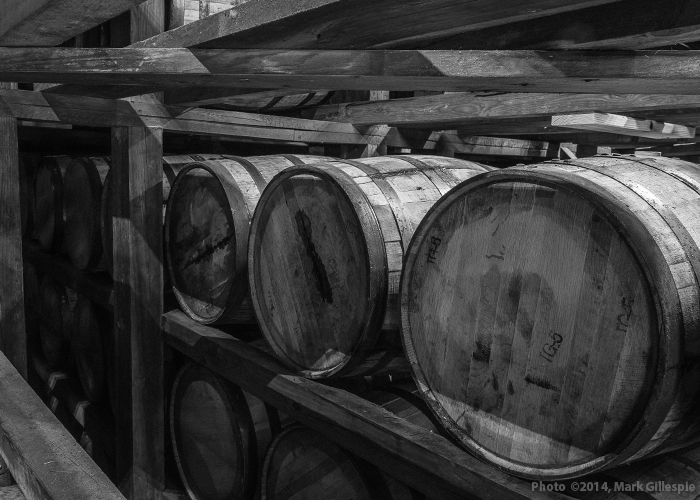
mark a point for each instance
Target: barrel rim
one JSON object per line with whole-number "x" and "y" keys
{"x": 242, "y": 425}
{"x": 237, "y": 208}
{"x": 95, "y": 256}
{"x": 95, "y": 391}
{"x": 658, "y": 400}
{"x": 360, "y": 469}
{"x": 376, "y": 264}
{"x": 52, "y": 165}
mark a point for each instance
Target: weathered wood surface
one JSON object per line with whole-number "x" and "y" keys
{"x": 97, "y": 288}
{"x": 620, "y": 124}
{"x": 329, "y": 239}
{"x": 138, "y": 302}
{"x": 219, "y": 433}
{"x": 302, "y": 463}
{"x": 244, "y": 99}
{"x": 647, "y": 24}
{"x": 44, "y": 459}
{"x": 13, "y": 339}
{"x": 206, "y": 232}
{"x": 82, "y": 201}
{"x": 451, "y": 143}
{"x": 50, "y": 219}
{"x": 97, "y": 112}
{"x": 11, "y": 493}
{"x": 56, "y": 321}
{"x": 315, "y": 23}
{"x": 643, "y": 72}
{"x": 172, "y": 165}
{"x": 450, "y": 110}
{"x": 569, "y": 296}
{"x": 50, "y": 22}
{"x": 428, "y": 462}
{"x": 92, "y": 332}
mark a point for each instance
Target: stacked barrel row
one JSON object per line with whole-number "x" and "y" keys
{"x": 549, "y": 313}
{"x": 229, "y": 444}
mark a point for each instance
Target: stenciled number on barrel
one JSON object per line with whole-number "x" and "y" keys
{"x": 433, "y": 248}
{"x": 550, "y": 350}
{"x": 623, "y": 319}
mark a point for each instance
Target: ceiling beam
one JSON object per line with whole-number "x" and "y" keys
{"x": 93, "y": 112}
{"x": 453, "y": 109}
{"x": 50, "y": 22}
{"x": 344, "y": 24}
{"x": 624, "y": 125}
{"x": 600, "y": 72}
{"x": 629, "y": 24}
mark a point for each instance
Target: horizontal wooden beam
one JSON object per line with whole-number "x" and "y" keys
{"x": 449, "y": 110}
{"x": 96, "y": 112}
{"x": 599, "y": 72}
{"x": 44, "y": 459}
{"x": 497, "y": 146}
{"x": 625, "y": 125}
{"x": 425, "y": 460}
{"x": 647, "y": 24}
{"x": 343, "y": 24}
{"x": 50, "y": 22}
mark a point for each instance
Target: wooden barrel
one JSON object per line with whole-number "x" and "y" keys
{"x": 48, "y": 203}
{"x": 219, "y": 435}
{"x": 303, "y": 463}
{"x": 56, "y": 321}
{"x": 171, "y": 167}
{"x": 27, "y": 180}
{"x": 82, "y": 200}
{"x": 551, "y": 313}
{"x": 92, "y": 328}
{"x": 206, "y": 233}
{"x": 32, "y": 305}
{"x": 326, "y": 250}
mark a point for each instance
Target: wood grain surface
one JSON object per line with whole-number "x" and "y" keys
{"x": 326, "y": 249}
{"x": 546, "y": 311}
{"x": 56, "y": 321}
{"x": 82, "y": 201}
{"x": 206, "y": 232}
{"x": 601, "y": 72}
{"x": 219, "y": 435}
{"x": 92, "y": 328}
{"x": 49, "y": 202}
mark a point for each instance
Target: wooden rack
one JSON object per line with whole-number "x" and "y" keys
{"x": 230, "y": 48}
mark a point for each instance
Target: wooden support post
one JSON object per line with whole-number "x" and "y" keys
{"x": 138, "y": 296}
{"x": 12, "y": 333}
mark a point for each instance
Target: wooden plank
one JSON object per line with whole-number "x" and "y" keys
{"x": 625, "y": 125}
{"x": 334, "y": 24}
{"x": 497, "y": 146}
{"x": 450, "y": 110}
{"x": 13, "y": 339}
{"x": 424, "y": 460}
{"x": 44, "y": 459}
{"x": 50, "y": 22}
{"x": 647, "y": 24}
{"x": 138, "y": 280}
{"x": 643, "y": 72}
{"x": 96, "y": 112}
{"x": 98, "y": 288}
